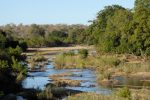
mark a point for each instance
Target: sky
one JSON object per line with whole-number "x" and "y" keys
{"x": 54, "y": 11}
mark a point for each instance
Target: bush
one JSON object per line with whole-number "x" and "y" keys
{"x": 147, "y": 52}
{"x": 23, "y": 46}
{"x": 116, "y": 62}
{"x": 46, "y": 94}
{"x": 104, "y": 75}
{"x": 59, "y": 61}
{"x": 16, "y": 52}
{"x": 17, "y": 66}
{"x": 125, "y": 93}
{"x": 70, "y": 53}
{"x": 39, "y": 58}
{"x": 83, "y": 53}
{"x": 3, "y": 64}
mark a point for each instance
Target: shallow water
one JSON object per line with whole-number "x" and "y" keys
{"x": 133, "y": 81}
{"x": 38, "y": 80}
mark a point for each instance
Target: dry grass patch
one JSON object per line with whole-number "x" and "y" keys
{"x": 119, "y": 94}
{"x": 92, "y": 96}
{"x": 65, "y": 82}
{"x": 60, "y": 75}
{"x": 106, "y": 66}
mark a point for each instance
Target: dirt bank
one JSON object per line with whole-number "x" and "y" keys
{"x": 55, "y": 50}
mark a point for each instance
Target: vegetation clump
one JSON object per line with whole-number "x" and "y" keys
{"x": 83, "y": 53}
{"x": 120, "y": 30}
{"x": 37, "y": 62}
{"x": 12, "y": 68}
{"x": 62, "y": 82}
{"x": 3, "y": 64}
{"x": 125, "y": 93}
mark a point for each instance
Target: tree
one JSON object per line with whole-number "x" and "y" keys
{"x": 121, "y": 30}
{"x": 23, "y": 45}
{"x": 110, "y": 26}
{"x": 141, "y": 23}
{"x": 2, "y": 39}
{"x": 36, "y": 30}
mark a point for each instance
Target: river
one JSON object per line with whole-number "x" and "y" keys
{"x": 38, "y": 80}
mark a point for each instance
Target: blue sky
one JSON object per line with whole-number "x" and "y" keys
{"x": 54, "y": 11}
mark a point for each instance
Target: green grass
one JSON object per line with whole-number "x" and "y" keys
{"x": 93, "y": 96}
{"x": 45, "y": 95}
{"x": 105, "y": 65}
{"x": 75, "y": 61}
{"x": 135, "y": 67}
{"x": 36, "y": 59}
{"x": 63, "y": 61}
{"x": 119, "y": 94}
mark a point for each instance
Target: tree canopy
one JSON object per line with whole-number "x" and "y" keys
{"x": 121, "y": 30}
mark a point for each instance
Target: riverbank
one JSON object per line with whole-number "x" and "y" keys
{"x": 112, "y": 69}
{"x": 121, "y": 94}
{"x": 55, "y": 50}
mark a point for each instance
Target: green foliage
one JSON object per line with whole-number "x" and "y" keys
{"x": 2, "y": 40}
{"x": 60, "y": 61}
{"x": 147, "y": 52}
{"x": 48, "y": 35}
{"x": 3, "y": 64}
{"x": 125, "y": 92}
{"x": 17, "y": 66}
{"x": 104, "y": 75}
{"x": 16, "y": 52}
{"x": 38, "y": 58}
{"x": 116, "y": 62}
{"x": 69, "y": 53}
{"x": 36, "y": 30}
{"x": 35, "y": 41}
{"x": 120, "y": 30}
{"x": 11, "y": 70}
{"x": 83, "y": 53}
{"x": 23, "y": 45}
{"x": 44, "y": 95}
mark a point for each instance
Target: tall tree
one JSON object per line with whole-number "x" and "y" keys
{"x": 141, "y": 36}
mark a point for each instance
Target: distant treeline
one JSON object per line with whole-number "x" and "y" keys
{"x": 48, "y": 35}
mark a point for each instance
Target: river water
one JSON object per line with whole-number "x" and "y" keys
{"x": 39, "y": 80}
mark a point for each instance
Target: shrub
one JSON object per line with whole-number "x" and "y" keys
{"x": 45, "y": 95}
{"x": 39, "y": 58}
{"x": 23, "y": 46}
{"x": 70, "y": 53}
{"x": 147, "y": 52}
{"x": 16, "y": 52}
{"x": 116, "y": 62}
{"x": 83, "y": 53}
{"x": 3, "y": 64}
{"x": 17, "y": 66}
{"x": 125, "y": 93}
{"x": 59, "y": 61}
{"x": 104, "y": 75}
